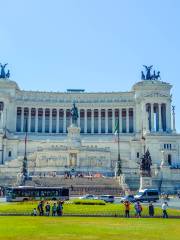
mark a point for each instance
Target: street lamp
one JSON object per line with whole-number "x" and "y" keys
{"x": 25, "y": 165}
{"x": 2, "y": 150}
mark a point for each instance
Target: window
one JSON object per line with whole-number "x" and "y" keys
{"x": 168, "y": 146}
{"x": 137, "y": 155}
{"x": 9, "y": 154}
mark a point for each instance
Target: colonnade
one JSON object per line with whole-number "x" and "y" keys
{"x": 55, "y": 120}
{"x": 158, "y": 117}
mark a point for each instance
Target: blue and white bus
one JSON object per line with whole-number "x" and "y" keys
{"x": 25, "y": 193}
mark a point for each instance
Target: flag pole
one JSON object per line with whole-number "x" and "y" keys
{"x": 119, "y": 170}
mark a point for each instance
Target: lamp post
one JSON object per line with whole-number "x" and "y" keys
{"x": 2, "y": 150}
{"x": 2, "y": 153}
{"x": 25, "y": 166}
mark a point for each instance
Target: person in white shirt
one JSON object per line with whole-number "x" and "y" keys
{"x": 164, "y": 208}
{"x": 34, "y": 212}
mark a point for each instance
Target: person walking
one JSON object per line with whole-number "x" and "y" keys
{"x": 60, "y": 208}
{"x": 138, "y": 209}
{"x": 54, "y": 209}
{"x": 40, "y": 208}
{"x": 47, "y": 209}
{"x": 151, "y": 210}
{"x": 127, "y": 208}
{"x": 164, "y": 209}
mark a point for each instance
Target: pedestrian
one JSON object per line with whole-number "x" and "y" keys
{"x": 164, "y": 209}
{"x": 34, "y": 212}
{"x": 127, "y": 208}
{"x": 138, "y": 209}
{"x": 54, "y": 209}
{"x": 60, "y": 208}
{"x": 151, "y": 210}
{"x": 40, "y": 208}
{"x": 47, "y": 209}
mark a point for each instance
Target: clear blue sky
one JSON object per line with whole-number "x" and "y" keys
{"x": 97, "y": 45}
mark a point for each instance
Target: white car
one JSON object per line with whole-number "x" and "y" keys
{"x": 88, "y": 196}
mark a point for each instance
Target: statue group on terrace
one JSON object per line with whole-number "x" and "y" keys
{"x": 148, "y": 76}
{"x": 145, "y": 164}
{"x": 3, "y": 72}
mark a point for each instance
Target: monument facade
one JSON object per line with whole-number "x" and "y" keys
{"x": 61, "y": 138}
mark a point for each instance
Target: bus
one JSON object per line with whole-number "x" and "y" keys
{"x": 25, "y": 193}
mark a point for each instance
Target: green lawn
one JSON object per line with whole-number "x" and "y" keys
{"x": 69, "y": 208}
{"x": 88, "y": 228}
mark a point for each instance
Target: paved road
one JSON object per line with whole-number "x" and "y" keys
{"x": 173, "y": 202}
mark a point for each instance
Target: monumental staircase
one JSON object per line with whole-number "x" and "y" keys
{"x": 80, "y": 185}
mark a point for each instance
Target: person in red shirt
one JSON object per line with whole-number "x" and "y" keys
{"x": 127, "y": 208}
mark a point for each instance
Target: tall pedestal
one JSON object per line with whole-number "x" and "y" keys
{"x": 74, "y": 139}
{"x": 145, "y": 182}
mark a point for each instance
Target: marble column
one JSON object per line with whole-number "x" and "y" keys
{"x": 57, "y": 120}
{"x": 145, "y": 121}
{"x": 120, "y": 120}
{"x": 127, "y": 120}
{"x": 50, "y": 120}
{"x": 85, "y": 120}
{"x": 99, "y": 121}
{"x": 22, "y": 119}
{"x": 134, "y": 120}
{"x": 43, "y": 121}
{"x": 174, "y": 119}
{"x": 79, "y": 123}
{"x": 113, "y": 120}
{"x": 160, "y": 119}
{"x": 64, "y": 121}
{"x": 152, "y": 117}
{"x": 92, "y": 121}
{"x": 106, "y": 120}
{"x": 29, "y": 120}
{"x": 168, "y": 116}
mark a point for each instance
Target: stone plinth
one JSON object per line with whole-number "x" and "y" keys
{"x": 145, "y": 182}
{"x": 74, "y": 139}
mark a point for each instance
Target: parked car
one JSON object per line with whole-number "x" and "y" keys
{"x": 107, "y": 198}
{"x": 129, "y": 198}
{"x": 147, "y": 195}
{"x": 88, "y": 196}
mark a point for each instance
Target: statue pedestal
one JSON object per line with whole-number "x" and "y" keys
{"x": 145, "y": 182}
{"x": 74, "y": 139}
